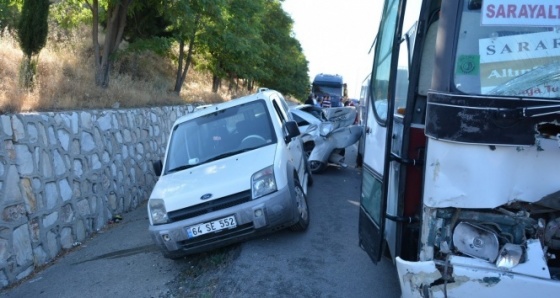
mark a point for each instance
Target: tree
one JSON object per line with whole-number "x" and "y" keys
{"x": 32, "y": 36}
{"x": 9, "y": 14}
{"x": 232, "y": 42}
{"x": 188, "y": 18}
{"x": 116, "y": 21}
{"x": 286, "y": 65}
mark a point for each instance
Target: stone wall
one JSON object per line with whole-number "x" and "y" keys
{"x": 64, "y": 176}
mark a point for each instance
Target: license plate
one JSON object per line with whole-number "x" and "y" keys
{"x": 211, "y": 226}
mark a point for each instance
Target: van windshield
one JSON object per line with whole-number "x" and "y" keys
{"x": 508, "y": 48}
{"x": 218, "y": 135}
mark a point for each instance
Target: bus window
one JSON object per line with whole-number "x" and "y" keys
{"x": 382, "y": 67}
{"x": 506, "y": 58}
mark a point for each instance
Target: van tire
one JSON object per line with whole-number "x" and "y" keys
{"x": 303, "y": 210}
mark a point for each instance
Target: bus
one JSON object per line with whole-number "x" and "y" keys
{"x": 461, "y": 148}
{"x": 331, "y": 85}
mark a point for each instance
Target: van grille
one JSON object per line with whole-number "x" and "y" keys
{"x": 206, "y": 207}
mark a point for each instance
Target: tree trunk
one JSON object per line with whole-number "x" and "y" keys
{"x": 178, "y": 77}
{"x": 181, "y": 77}
{"x": 115, "y": 27}
{"x": 216, "y": 82}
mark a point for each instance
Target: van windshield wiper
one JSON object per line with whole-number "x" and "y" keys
{"x": 180, "y": 168}
{"x": 224, "y": 155}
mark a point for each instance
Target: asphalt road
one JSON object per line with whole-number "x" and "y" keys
{"x": 323, "y": 261}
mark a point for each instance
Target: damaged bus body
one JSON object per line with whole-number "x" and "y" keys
{"x": 461, "y": 176}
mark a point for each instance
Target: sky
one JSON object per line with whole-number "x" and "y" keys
{"x": 336, "y": 36}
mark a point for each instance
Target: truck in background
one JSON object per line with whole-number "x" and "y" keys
{"x": 332, "y": 85}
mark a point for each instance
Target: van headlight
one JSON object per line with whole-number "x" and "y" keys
{"x": 263, "y": 182}
{"x": 510, "y": 256}
{"x": 476, "y": 241}
{"x": 157, "y": 211}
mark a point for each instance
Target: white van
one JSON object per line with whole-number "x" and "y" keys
{"x": 231, "y": 171}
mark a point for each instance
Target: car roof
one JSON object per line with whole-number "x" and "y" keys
{"x": 262, "y": 94}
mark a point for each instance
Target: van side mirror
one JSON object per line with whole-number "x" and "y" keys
{"x": 292, "y": 130}
{"x": 158, "y": 166}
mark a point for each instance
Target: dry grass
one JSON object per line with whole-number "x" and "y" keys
{"x": 65, "y": 79}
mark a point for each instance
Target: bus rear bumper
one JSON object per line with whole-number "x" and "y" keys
{"x": 470, "y": 278}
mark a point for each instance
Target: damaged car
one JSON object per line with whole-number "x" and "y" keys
{"x": 232, "y": 171}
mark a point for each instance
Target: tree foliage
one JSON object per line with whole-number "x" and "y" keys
{"x": 32, "y": 31}
{"x": 9, "y": 14}
{"x": 244, "y": 43}
{"x": 33, "y": 26}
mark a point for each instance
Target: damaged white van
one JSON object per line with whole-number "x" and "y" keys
{"x": 231, "y": 171}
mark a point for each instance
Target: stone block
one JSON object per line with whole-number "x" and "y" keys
{"x": 46, "y": 165}
{"x": 78, "y": 168}
{"x": 66, "y": 238}
{"x": 59, "y": 166}
{"x": 52, "y": 244}
{"x": 50, "y": 219}
{"x": 35, "y": 230}
{"x": 64, "y": 139}
{"x": 65, "y": 190}
{"x": 25, "y": 273}
{"x": 22, "y": 245}
{"x": 67, "y": 213}
{"x": 40, "y": 257}
{"x": 4, "y": 252}
{"x": 86, "y": 120}
{"x": 24, "y": 159}
{"x": 82, "y": 207}
{"x": 51, "y": 195}
{"x": 14, "y": 213}
{"x": 75, "y": 124}
{"x": 29, "y": 195}
{"x": 86, "y": 141}
{"x": 32, "y": 133}
{"x": 112, "y": 202}
{"x": 80, "y": 231}
{"x": 18, "y": 129}
{"x": 52, "y": 137}
{"x": 104, "y": 122}
{"x": 95, "y": 162}
{"x": 12, "y": 190}
{"x": 42, "y": 134}
{"x": 6, "y": 124}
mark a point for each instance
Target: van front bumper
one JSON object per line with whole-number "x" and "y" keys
{"x": 470, "y": 278}
{"x": 264, "y": 215}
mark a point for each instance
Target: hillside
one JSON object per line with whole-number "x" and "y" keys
{"x": 65, "y": 79}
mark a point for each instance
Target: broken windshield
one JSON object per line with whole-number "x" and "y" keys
{"x": 498, "y": 55}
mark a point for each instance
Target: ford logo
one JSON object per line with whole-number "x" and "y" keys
{"x": 206, "y": 196}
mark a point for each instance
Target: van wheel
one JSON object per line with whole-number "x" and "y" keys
{"x": 303, "y": 210}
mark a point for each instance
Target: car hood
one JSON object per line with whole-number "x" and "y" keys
{"x": 219, "y": 178}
